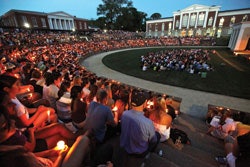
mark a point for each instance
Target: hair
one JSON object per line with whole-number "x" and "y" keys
{"x": 3, "y": 95}
{"x": 93, "y": 90}
{"x": 7, "y": 81}
{"x": 101, "y": 95}
{"x": 171, "y": 111}
{"x": 76, "y": 80}
{"x": 5, "y": 113}
{"x": 75, "y": 90}
{"x": 35, "y": 74}
{"x": 16, "y": 156}
{"x": 159, "y": 106}
{"x": 63, "y": 88}
{"x": 51, "y": 77}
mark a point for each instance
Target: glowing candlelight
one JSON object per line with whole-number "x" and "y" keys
{"x": 115, "y": 108}
{"x": 28, "y": 89}
{"x": 48, "y": 113}
{"x": 61, "y": 145}
{"x": 150, "y": 104}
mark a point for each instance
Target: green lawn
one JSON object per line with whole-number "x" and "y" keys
{"x": 224, "y": 80}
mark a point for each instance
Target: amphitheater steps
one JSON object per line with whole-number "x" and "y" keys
{"x": 201, "y": 152}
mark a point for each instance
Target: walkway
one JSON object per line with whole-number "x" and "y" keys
{"x": 194, "y": 103}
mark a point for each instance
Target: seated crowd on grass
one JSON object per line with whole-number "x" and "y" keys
{"x": 190, "y": 60}
{"x": 72, "y": 95}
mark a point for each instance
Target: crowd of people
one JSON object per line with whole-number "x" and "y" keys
{"x": 189, "y": 60}
{"x": 47, "y": 96}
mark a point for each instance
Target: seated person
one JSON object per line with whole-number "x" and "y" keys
{"x": 73, "y": 156}
{"x": 40, "y": 115}
{"x": 162, "y": 121}
{"x": 237, "y": 149}
{"x": 63, "y": 102}
{"x": 222, "y": 126}
{"x": 99, "y": 116}
{"x": 43, "y": 139}
{"x": 78, "y": 107}
{"x": 138, "y": 135}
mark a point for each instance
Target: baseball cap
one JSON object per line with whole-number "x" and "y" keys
{"x": 138, "y": 97}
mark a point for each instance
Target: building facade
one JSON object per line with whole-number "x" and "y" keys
{"x": 197, "y": 20}
{"x": 43, "y": 21}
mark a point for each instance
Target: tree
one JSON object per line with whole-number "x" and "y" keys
{"x": 130, "y": 19}
{"x": 155, "y": 16}
{"x": 111, "y": 9}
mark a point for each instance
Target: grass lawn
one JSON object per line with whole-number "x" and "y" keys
{"x": 225, "y": 79}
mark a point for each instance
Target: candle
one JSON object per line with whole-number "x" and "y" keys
{"x": 115, "y": 108}
{"x": 48, "y": 113}
{"x": 61, "y": 145}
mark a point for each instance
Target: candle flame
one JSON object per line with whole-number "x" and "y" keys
{"x": 61, "y": 145}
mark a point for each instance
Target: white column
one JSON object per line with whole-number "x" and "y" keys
{"x": 205, "y": 21}
{"x": 215, "y": 18}
{"x": 65, "y": 25}
{"x": 60, "y": 24}
{"x": 72, "y": 25}
{"x": 55, "y": 24}
{"x": 180, "y": 21}
{"x": 174, "y": 22}
{"x": 50, "y": 23}
{"x": 188, "y": 20}
{"x": 197, "y": 17}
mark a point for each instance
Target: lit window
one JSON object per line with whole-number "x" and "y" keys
{"x": 184, "y": 20}
{"x": 245, "y": 18}
{"x": 221, "y": 22}
{"x": 210, "y": 21}
{"x": 43, "y": 22}
{"x": 201, "y": 19}
{"x": 34, "y": 22}
{"x": 192, "y": 20}
{"x": 177, "y": 23}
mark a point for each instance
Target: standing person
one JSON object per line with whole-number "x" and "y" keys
{"x": 138, "y": 135}
{"x": 99, "y": 115}
{"x": 162, "y": 121}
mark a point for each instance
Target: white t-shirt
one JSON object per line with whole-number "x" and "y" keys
{"x": 20, "y": 108}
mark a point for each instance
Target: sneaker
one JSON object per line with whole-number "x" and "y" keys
{"x": 221, "y": 159}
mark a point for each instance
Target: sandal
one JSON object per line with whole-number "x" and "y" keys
{"x": 221, "y": 159}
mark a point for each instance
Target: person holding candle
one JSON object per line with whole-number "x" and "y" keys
{"x": 17, "y": 154}
{"x": 39, "y": 116}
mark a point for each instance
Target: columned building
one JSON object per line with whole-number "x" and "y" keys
{"x": 46, "y": 21}
{"x": 197, "y": 20}
{"x": 239, "y": 39}
{"x": 60, "y": 21}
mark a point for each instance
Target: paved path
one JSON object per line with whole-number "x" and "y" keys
{"x": 194, "y": 102}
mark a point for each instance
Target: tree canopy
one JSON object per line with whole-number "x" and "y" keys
{"x": 120, "y": 14}
{"x": 155, "y": 16}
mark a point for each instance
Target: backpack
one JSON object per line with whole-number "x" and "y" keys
{"x": 179, "y": 134}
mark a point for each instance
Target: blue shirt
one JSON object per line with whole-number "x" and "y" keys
{"x": 137, "y": 131}
{"x": 97, "y": 117}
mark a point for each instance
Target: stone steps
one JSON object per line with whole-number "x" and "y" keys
{"x": 201, "y": 152}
